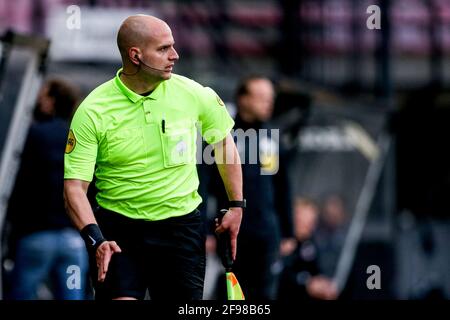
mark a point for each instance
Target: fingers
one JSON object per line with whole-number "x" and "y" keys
{"x": 115, "y": 247}
{"x": 104, "y": 254}
{"x": 219, "y": 226}
{"x": 224, "y": 225}
{"x": 220, "y": 229}
{"x": 230, "y": 223}
{"x": 99, "y": 257}
{"x": 103, "y": 266}
{"x": 106, "y": 260}
{"x": 101, "y": 271}
{"x": 233, "y": 246}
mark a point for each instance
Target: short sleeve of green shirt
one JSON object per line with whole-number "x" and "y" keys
{"x": 215, "y": 121}
{"x": 81, "y": 149}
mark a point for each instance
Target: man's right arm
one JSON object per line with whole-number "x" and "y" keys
{"x": 77, "y": 203}
{"x": 82, "y": 216}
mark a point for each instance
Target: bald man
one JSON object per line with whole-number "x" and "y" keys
{"x": 137, "y": 134}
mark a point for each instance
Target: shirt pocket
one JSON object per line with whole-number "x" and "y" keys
{"x": 178, "y": 143}
{"x": 126, "y": 146}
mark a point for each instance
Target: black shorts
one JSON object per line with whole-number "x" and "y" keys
{"x": 166, "y": 257}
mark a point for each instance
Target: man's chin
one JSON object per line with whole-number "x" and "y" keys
{"x": 167, "y": 76}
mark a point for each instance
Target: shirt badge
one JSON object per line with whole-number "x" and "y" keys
{"x": 71, "y": 142}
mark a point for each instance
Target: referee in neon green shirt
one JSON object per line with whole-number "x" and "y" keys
{"x": 137, "y": 134}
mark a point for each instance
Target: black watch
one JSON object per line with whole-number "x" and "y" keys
{"x": 237, "y": 203}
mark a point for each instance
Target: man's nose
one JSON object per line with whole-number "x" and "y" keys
{"x": 174, "y": 55}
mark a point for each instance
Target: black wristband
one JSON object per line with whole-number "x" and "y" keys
{"x": 237, "y": 203}
{"x": 92, "y": 236}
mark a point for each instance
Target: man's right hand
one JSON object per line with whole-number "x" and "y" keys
{"x": 103, "y": 257}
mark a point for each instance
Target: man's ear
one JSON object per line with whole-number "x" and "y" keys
{"x": 133, "y": 55}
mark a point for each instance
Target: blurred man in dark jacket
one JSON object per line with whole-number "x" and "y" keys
{"x": 266, "y": 227}
{"x": 46, "y": 248}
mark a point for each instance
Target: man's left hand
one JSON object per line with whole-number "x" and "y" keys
{"x": 231, "y": 222}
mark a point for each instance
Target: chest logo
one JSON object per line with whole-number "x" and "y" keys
{"x": 181, "y": 147}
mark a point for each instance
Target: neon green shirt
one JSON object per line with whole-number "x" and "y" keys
{"x": 143, "y": 148}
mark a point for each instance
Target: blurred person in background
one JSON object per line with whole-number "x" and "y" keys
{"x": 44, "y": 245}
{"x": 267, "y": 222}
{"x": 136, "y": 133}
{"x": 301, "y": 278}
{"x": 331, "y": 231}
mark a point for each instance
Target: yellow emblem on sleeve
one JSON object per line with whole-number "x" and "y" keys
{"x": 220, "y": 101}
{"x": 71, "y": 142}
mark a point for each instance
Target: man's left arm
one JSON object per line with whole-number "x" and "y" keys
{"x": 229, "y": 165}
